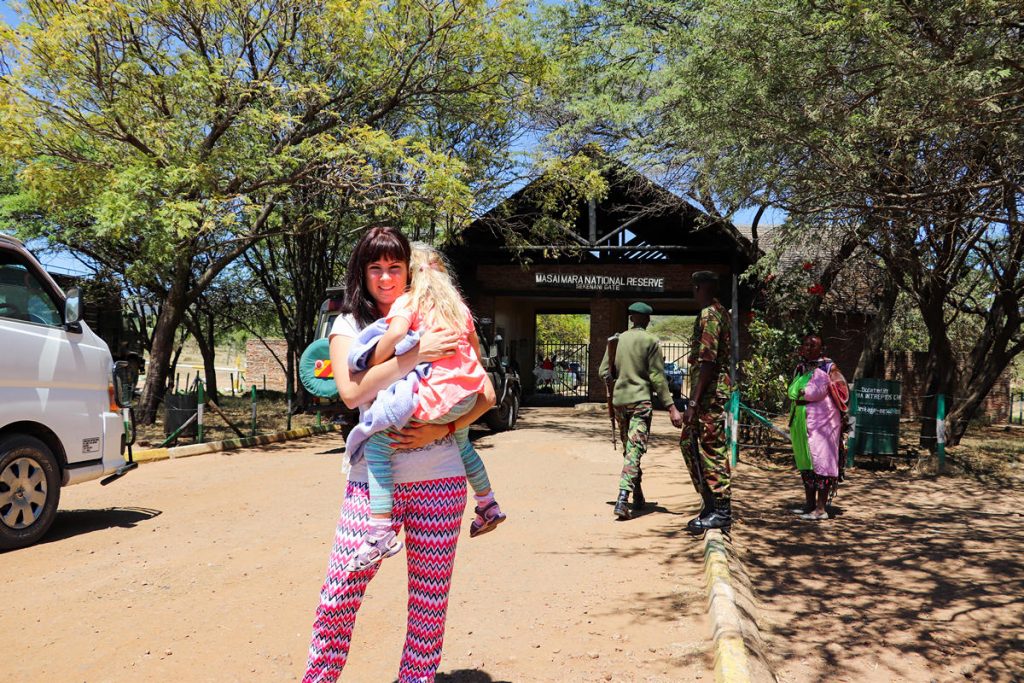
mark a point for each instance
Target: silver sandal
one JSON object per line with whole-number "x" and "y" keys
{"x": 373, "y": 551}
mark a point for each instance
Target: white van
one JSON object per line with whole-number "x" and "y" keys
{"x": 59, "y": 419}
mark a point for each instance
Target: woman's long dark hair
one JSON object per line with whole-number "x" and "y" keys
{"x": 375, "y": 244}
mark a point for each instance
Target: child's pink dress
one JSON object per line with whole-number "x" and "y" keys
{"x": 452, "y": 379}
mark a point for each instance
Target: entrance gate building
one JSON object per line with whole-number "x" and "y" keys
{"x": 640, "y": 243}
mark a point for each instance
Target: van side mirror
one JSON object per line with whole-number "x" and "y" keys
{"x": 125, "y": 378}
{"x": 73, "y": 307}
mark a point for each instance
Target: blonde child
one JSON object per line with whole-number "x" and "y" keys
{"x": 450, "y": 390}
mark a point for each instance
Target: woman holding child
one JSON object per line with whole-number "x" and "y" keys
{"x": 425, "y": 490}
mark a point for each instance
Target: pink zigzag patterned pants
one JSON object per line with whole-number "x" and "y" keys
{"x": 432, "y": 514}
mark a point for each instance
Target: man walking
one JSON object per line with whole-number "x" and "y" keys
{"x": 638, "y": 371}
{"x": 703, "y": 437}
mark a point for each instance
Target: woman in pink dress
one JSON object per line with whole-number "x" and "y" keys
{"x": 820, "y": 398}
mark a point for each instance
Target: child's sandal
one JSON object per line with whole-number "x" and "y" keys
{"x": 487, "y": 518}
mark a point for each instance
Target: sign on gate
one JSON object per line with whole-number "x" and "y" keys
{"x": 600, "y": 283}
{"x": 879, "y": 403}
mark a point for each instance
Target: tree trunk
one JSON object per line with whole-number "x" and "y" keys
{"x": 171, "y": 315}
{"x": 205, "y": 340}
{"x": 289, "y": 376}
{"x": 941, "y": 370}
{"x": 300, "y": 397}
{"x": 872, "y": 356}
{"x": 172, "y": 383}
{"x": 960, "y": 409}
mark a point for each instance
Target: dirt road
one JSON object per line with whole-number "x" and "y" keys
{"x": 208, "y": 568}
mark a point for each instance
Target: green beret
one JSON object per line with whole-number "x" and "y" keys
{"x": 641, "y": 308}
{"x": 701, "y": 276}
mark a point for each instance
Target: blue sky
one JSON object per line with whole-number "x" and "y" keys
{"x": 6, "y": 13}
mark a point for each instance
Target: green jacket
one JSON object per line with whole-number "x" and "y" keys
{"x": 641, "y": 369}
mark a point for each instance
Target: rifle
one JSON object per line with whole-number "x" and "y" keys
{"x": 609, "y": 384}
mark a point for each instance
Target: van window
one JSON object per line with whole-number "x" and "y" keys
{"x": 23, "y": 296}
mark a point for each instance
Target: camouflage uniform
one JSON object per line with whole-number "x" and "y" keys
{"x": 710, "y": 343}
{"x": 640, "y": 374}
{"x": 634, "y": 421}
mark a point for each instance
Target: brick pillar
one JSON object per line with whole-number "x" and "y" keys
{"x": 607, "y": 316}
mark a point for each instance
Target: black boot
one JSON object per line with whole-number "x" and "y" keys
{"x": 622, "y": 505}
{"x": 638, "y": 495}
{"x": 707, "y": 507}
{"x": 720, "y": 518}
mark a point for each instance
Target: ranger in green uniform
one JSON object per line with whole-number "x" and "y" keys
{"x": 703, "y": 437}
{"x": 639, "y": 371}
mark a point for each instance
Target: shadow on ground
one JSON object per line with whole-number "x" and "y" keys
{"x": 916, "y": 573}
{"x": 70, "y": 523}
{"x": 467, "y": 676}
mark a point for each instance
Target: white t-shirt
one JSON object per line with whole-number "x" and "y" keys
{"x": 438, "y": 460}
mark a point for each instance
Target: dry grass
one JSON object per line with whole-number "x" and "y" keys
{"x": 271, "y": 416}
{"x": 992, "y": 453}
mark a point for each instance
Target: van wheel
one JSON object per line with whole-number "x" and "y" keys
{"x": 29, "y": 490}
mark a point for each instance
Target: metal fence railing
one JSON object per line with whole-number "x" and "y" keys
{"x": 675, "y": 352}
{"x": 561, "y": 369}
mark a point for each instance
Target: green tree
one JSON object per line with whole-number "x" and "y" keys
{"x": 672, "y": 327}
{"x": 571, "y": 328}
{"x": 896, "y": 126}
{"x": 164, "y": 137}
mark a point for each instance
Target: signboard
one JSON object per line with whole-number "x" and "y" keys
{"x": 879, "y": 402}
{"x": 599, "y": 283}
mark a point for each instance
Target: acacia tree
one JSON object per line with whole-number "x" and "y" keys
{"x": 294, "y": 270}
{"x": 166, "y": 135}
{"x": 900, "y": 119}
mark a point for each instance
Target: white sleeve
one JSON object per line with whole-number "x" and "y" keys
{"x": 345, "y": 326}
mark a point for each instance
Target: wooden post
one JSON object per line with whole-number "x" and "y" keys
{"x": 851, "y": 443}
{"x": 200, "y": 403}
{"x": 253, "y": 395}
{"x": 592, "y": 220}
{"x": 289, "y": 425}
{"x": 231, "y": 375}
{"x": 733, "y": 425}
{"x": 940, "y": 430}
{"x": 215, "y": 408}
{"x": 179, "y": 430}
{"x": 735, "y": 329}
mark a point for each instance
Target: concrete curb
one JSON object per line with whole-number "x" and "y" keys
{"x": 154, "y": 454}
{"x": 731, "y": 665}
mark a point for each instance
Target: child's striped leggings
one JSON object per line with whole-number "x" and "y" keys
{"x": 431, "y": 512}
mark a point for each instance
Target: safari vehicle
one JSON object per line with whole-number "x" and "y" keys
{"x": 507, "y": 388}
{"x": 61, "y": 400}
{"x": 675, "y": 375}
